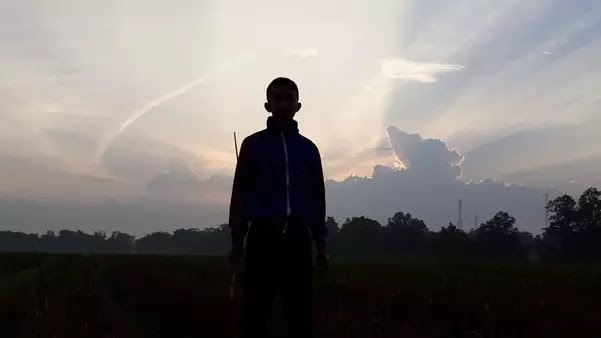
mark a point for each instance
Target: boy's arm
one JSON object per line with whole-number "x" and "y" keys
{"x": 237, "y": 220}
{"x": 320, "y": 231}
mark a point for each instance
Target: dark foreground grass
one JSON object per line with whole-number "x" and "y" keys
{"x": 176, "y": 296}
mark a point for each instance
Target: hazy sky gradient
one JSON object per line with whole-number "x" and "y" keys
{"x": 100, "y": 99}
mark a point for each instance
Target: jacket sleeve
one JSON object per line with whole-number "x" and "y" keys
{"x": 319, "y": 230}
{"x": 237, "y": 219}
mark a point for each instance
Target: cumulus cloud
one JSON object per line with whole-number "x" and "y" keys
{"x": 429, "y": 157}
{"x": 428, "y": 186}
{"x": 426, "y": 72}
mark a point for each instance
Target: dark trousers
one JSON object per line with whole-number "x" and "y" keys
{"x": 276, "y": 262}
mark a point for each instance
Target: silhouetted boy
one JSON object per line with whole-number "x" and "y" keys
{"x": 279, "y": 191}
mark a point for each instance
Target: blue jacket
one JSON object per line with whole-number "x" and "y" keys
{"x": 278, "y": 176}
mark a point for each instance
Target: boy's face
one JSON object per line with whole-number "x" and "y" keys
{"x": 283, "y": 103}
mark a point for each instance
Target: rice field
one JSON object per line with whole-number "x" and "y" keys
{"x": 188, "y": 296}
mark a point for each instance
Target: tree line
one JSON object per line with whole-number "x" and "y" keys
{"x": 574, "y": 232}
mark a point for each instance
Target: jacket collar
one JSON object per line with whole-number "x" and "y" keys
{"x": 274, "y": 125}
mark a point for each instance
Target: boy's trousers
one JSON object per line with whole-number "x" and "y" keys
{"x": 278, "y": 262}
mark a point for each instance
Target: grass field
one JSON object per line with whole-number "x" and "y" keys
{"x": 176, "y": 296}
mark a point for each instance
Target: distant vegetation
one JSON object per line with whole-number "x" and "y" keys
{"x": 573, "y": 233}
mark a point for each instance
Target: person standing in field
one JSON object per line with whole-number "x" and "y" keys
{"x": 278, "y": 203}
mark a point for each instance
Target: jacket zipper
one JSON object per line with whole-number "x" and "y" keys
{"x": 288, "y": 211}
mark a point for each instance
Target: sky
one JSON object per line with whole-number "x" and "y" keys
{"x": 126, "y": 104}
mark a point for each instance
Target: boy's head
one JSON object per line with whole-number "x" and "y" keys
{"x": 282, "y": 98}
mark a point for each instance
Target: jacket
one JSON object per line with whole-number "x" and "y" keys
{"x": 278, "y": 176}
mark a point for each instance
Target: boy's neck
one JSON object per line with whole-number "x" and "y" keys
{"x": 281, "y": 124}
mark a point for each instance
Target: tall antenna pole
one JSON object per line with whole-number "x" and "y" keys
{"x": 460, "y": 218}
{"x": 476, "y": 221}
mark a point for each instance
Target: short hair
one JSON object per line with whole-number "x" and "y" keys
{"x": 281, "y": 82}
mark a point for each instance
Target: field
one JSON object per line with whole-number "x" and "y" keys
{"x": 180, "y": 296}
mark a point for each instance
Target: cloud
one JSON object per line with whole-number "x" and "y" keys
{"x": 35, "y": 178}
{"x": 532, "y": 148}
{"x": 304, "y": 53}
{"x": 183, "y": 184}
{"x": 70, "y": 142}
{"x": 425, "y": 72}
{"x": 138, "y": 158}
{"x": 156, "y": 102}
{"x": 133, "y": 165}
{"x": 429, "y": 186}
{"x": 572, "y": 176}
{"x": 429, "y": 157}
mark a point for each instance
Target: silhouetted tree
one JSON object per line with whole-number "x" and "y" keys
{"x": 332, "y": 226}
{"x": 501, "y": 223}
{"x": 452, "y": 241}
{"x": 333, "y": 231}
{"x": 589, "y": 210}
{"x": 588, "y": 224}
{"x": 575, "y": 227}
{"x": 360, "y": 237}
{"x": 155, "y": 243}
{"x": 405, "y": 234}
{"x": 559, "y": 236}
{"x": 499, "y": 236}
{"x": 120, "y": 242}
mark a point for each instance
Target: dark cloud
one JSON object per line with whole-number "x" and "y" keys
{"x": 530, "y": 149}
{"x": 570, "y": 176}
{"x": 470, "y": 139}
{"x": 181, "y": 183}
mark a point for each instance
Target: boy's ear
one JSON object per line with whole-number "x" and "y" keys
{"x": 298, "y": 106}
{"x": 266, "y": 105}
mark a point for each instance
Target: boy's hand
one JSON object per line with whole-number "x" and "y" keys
{"x": 236, "y": 254}
{"x": 235, "y": 257}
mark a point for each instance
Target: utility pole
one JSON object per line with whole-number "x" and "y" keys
{"x": 476, "y": 222}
